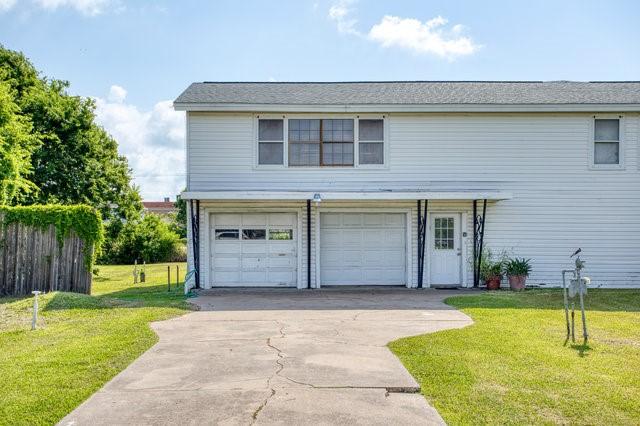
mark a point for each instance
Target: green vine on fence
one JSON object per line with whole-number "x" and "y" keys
{"x": 84, "y": 220}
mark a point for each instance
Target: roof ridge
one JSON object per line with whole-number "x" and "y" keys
{"x": 418, "y": 81}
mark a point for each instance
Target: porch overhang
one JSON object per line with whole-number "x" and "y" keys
{"x": 490, "y": 195}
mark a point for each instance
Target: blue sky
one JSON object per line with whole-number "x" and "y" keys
{"x": 136, "y": 56}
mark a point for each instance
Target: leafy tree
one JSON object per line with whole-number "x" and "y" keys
{"x": 17, "y": 143}
{"x": 77, "y": 161}
{"x": 149, "y": 239}
{"x": 179, "y": 221}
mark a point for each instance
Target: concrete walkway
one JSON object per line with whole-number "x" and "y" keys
{"x": 278, "y": 357}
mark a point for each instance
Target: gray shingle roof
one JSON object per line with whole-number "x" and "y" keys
{"x": 412, "y": 93}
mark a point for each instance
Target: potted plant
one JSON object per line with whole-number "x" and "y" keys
{"x": 491, "y": 271}
{"x": 517, "y": 270}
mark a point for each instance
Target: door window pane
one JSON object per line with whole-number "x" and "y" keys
{"x": 281, "y": 234}
{"x": 227, "y": 234}
{"x": 370, "y": 130}
{"x": 371, "y": 153}
{"x": 270, "y": 153}
{"x": 607, "y": 130}
{"x": 444, "y": 230}
{"x": 270, "y": 130}
{"x": 254, "y": 234}
{"x": 607, "y": 153}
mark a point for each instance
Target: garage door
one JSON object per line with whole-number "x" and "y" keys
{"x": 253, "y": 249}
{"x": 362, "y": 249}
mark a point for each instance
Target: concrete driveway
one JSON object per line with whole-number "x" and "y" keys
{"x": 278, "y": 357}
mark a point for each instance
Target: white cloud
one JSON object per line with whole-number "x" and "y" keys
{"x": 153, "y": 142}
{"x": 6, "y": 5}
{"x": 117, "y": 94}
{"x": 428, "y": 37}
{"x": 340, "y": 12}
{"x": 86, "y": 7}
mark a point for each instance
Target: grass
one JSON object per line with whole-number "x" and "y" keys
{"x": 513, "y": 365}
{"x": 81, "y": 342}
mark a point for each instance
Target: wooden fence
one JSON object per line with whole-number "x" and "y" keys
{"x": 32, "y": 259}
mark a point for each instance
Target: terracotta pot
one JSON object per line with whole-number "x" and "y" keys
{"x": 517, "y": 282}
{"x": 493, "y": 283}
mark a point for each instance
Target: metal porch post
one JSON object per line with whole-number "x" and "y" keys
{"x": 478, "y": 239}
{"x": 422, "y": 232}
{"x": 195, "y": 238}
{"x": 308, "y": 244}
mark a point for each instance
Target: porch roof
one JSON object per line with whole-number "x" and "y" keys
{"x": 476, "y": 194}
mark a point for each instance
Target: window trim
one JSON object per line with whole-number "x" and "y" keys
{"x": 321, "y": 116}
{"x": 592, "y": 142}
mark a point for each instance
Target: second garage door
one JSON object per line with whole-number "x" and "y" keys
{"x": 363, "y": 249}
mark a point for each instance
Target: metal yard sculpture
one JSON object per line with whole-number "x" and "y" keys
{"x": 577, "y": 287}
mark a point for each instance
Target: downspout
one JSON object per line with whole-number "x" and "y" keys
{"x": 308, "y": 244}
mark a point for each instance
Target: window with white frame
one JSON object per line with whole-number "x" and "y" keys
{"x": 606, "y": 142}
{"x": 370, "y": 141}
{"x": 320, "y": 142}
{"x": 270, "y": 142}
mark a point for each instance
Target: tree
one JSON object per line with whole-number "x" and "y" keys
{"x": 179, "y": 222}
{"x": 77, "y": 160}
{"x": 149, "y": 240}
{"x": 17, "y": 143}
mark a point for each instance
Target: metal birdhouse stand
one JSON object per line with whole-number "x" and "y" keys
{"x": 577, "y": 286}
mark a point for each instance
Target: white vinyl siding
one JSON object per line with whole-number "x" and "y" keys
{"x": 559, "y": 202}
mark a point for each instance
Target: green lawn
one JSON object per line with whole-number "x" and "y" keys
{"x": 81, "y": 343}
{"x": 513, "y": 366}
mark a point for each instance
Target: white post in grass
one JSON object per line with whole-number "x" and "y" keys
{"x": 34, "y": 321}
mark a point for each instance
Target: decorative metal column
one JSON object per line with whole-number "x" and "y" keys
{"x": 422, "y": 239}
{"x": 194, "y": 211}
{"x": 478, "y": 239}
{"x": 308, "y": 243}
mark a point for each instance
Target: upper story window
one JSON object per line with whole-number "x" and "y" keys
{"x": 270, "y": 141}
{"x": 321, "y": 142}
{"x": 316, "y": 142}
{"x": 371, "y": 141}
{"x": 606, "y": 142}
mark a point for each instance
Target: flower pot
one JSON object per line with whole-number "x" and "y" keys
{"x": 493, "y": 283}
{"x": 517, "y": 282}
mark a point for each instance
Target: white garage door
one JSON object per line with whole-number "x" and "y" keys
{"x": 253, "y": 249}
{"x": 362, "y": 249}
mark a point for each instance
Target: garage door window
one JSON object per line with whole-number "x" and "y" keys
{"x": 227, "y": 234}
{"x": 254, "y": 234}
{"x": 281, "y": 234}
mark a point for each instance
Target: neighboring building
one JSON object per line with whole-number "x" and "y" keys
{"x": 315, "y": 184}
{"x": 162, "y": 208}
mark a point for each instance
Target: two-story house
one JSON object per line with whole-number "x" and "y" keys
{"x": 407, "y": 183}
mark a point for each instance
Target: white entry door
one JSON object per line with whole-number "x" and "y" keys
{"x": 363, "y": 249}
{"x": 445, "y": 249}
{"x": 253, "y": 249}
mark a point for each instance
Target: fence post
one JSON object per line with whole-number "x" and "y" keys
{"x": 168, "y": 278}
{"x": 177, "y": 275}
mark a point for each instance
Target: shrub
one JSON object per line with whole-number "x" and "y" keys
{"x": 149, "y": 240}
{"x": 517, "y": 266}
{"x": 491, "y": 265}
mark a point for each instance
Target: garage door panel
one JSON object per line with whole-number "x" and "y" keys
{"x": 281, "y": 247}
{"x": 362, "y": 248}
{"x": 254, "y": 219}
{"x": 226, "y": 247}
{"x": 282, "y": 219}
{"x": 376, "y": 220}
{"x": 281, "y": 262}
{"x": 226, "y": 262}
{"x": 394, "y": 239}
{"x": 254, "y": 248}
{"x": 351, "y": 219}
{"x": 232, "y": 220}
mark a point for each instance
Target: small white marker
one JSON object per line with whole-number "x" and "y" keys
{"x": 34, "y": 321}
